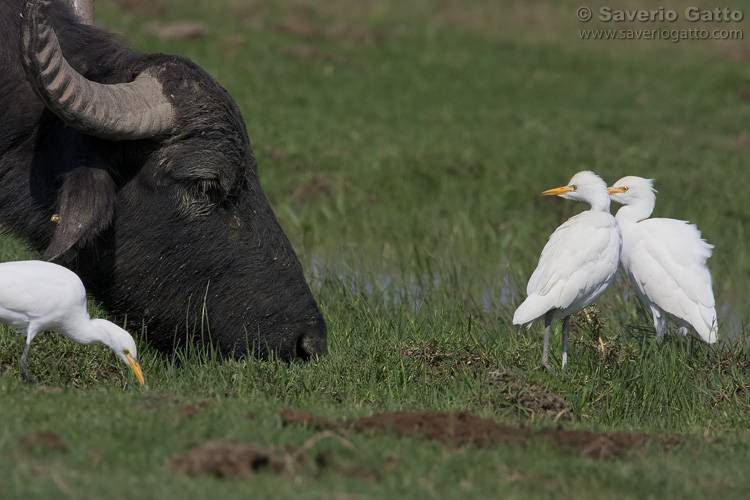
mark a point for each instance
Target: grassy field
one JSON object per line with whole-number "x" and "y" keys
{"x": 403, "y": 146}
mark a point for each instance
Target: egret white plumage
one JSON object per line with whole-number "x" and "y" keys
{"x": 577, "y": 264}
{"x": 666, "y": 261}
{"x": 36, "y": 296}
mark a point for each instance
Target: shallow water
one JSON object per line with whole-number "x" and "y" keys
{"x": 399, "y": 289}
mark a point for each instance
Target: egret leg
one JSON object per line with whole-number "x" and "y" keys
{"x": 24, "y": 369}
{"x": 545, "y": 349}
{"x": 660, "y": 324}
{"x": 565, "y": 330}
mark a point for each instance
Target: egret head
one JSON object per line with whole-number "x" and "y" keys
{"x": 633, "y": 190}
{"x": 585, "y": 186}
{"x": 123, "y": 345}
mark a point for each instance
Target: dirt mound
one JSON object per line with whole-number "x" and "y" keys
{"x": 231, "y": 460}
{"x": 454, "y": 429}
{"x": 226, "y": 460}
{"x": 531, "y": 399}
{"x": 538, "y": 401}
{"x": 41, "y": 441}
{"x": 594, "y": 444}
{"x": 461, "y": 428}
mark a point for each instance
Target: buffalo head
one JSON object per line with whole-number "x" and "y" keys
{"x": 145, "y": 163}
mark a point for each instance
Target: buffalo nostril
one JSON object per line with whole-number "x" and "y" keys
{"x": 311, "y": 344}
{"x": 301, "y": 352}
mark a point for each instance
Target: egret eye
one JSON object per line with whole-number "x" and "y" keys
{"x": 625, "y": 189}
{"x": 125, "y": 351}
{"x": 574, "y": 187}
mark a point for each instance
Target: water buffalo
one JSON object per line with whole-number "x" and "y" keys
{"x": 135, "y": 171}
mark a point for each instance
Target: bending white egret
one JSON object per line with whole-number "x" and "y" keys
{"x": 666, "y": 261}
{"x": 577, "y": 264}
{"x": 37, "y": 296}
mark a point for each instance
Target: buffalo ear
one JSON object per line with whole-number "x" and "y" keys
{"x": 85, "y": 208}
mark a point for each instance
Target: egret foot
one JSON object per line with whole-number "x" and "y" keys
{"x": 546, "y": 366}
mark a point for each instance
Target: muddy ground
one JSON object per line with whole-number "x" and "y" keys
{"x": 463, "y": 429}
{"x": 243, "y": 460}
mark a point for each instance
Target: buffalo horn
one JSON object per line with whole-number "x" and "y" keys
{"x": 134, "y": 110}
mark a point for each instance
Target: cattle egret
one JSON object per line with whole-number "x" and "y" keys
{"x": 37, "y": 296}
{"x": 577, "y": 264}
{"x": 666, "y": 261}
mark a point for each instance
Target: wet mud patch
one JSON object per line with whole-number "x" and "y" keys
{"x": 463, "y": 429}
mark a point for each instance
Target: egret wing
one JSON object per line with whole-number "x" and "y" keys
{"x": 34, "y": 288}
{"x": 578, "y": 262}
{"x": 677, "y": 246}
{"x": 667, "y": 264}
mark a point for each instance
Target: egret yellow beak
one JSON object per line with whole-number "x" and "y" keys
{"x": 615, "y": 190}
{"x": 557, "y": 191}
{"x": 135, "y": 367}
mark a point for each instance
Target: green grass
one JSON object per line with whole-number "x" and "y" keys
{"x": 435, "y": 127}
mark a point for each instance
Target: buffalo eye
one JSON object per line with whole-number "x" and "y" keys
{"x": 206, "y": 190}
{"x": 201, "y": 195}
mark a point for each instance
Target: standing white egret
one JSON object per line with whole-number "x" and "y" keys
{"x": 577, "y": 264}
{"x": 36, "y": 296}
{"x": 666, "y": 261}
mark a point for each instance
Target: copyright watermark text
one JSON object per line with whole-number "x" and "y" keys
{"x": 672, "y": 35}
{"x": 720, "y": 23}
{"x": 661, "y": 14}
